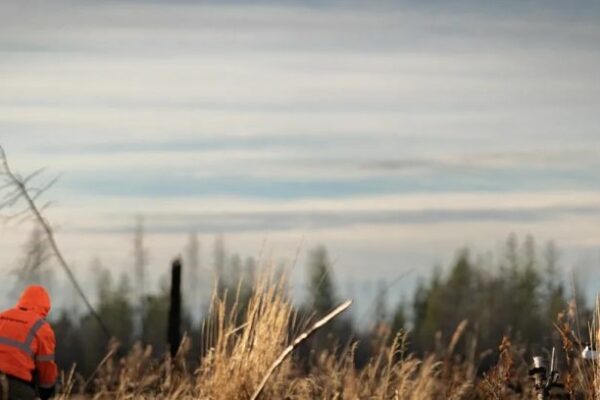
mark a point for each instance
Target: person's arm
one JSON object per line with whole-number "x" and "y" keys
{"x": 44, "y": 362}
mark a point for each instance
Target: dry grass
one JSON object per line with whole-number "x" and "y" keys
{"x": 237, "y": 358}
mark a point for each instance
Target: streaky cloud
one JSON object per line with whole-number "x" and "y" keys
{"x": 232, "y": 222}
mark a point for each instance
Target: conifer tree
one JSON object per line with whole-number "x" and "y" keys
{"x": 320, "y": 282}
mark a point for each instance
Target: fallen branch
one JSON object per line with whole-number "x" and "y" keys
{"x": 320, "y": 323}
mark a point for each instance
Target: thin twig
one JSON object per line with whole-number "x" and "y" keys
{"x": 384, "y": 290}
{"x": 458, "y": 332}
{"x": 111, "y": 351}
{"x": 320, "y": 323}
{"x": 369, "y": 310}
{"x": 233, "y": 331}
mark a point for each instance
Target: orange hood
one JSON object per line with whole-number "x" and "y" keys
{"x": 35, "y": 298}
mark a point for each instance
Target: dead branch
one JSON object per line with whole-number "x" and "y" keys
{"x": 288, "y": 350}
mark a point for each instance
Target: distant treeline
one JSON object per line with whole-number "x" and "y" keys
{"x": 520, "y": 292}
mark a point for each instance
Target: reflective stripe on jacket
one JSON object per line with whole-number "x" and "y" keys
{"x": 27, "y": 341}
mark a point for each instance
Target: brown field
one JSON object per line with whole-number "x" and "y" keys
{"x": 237, "y": 358}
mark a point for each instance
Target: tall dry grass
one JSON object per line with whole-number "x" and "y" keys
{"x": 236, "y": 358}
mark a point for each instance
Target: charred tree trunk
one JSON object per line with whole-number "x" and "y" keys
{"x": 174, "y": 329}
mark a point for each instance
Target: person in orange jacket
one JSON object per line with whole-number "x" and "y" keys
{"x": 27, "y": 346}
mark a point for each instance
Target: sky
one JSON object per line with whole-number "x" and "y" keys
{"x": 394, "y": 133}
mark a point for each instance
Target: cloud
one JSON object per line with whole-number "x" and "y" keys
{"x": 233, "y": 214}
{"x": 278, "y": 221}
{"x": 162, "y": 73}
{"x": 365, "y": 123}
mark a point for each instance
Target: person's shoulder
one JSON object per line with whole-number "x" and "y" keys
{"x": 45, "y": 335}
{"x": 8, "y": 310}
{"x": 12, "y": 314}
{"x": 46, "y": 329}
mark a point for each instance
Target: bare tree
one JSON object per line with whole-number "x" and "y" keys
{"x": 220, "y": 256}
{"x": 33, "y": 266}
{"x": 19, "y": 191}
{"x": 192, "y": 272}
{"x": 140, "y": 255}
{"x": 140, "y": 261}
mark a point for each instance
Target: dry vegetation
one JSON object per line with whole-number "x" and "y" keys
{"x": 236, "y": 358}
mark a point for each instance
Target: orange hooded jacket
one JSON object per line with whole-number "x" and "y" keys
{"x": 27, "y": 341}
